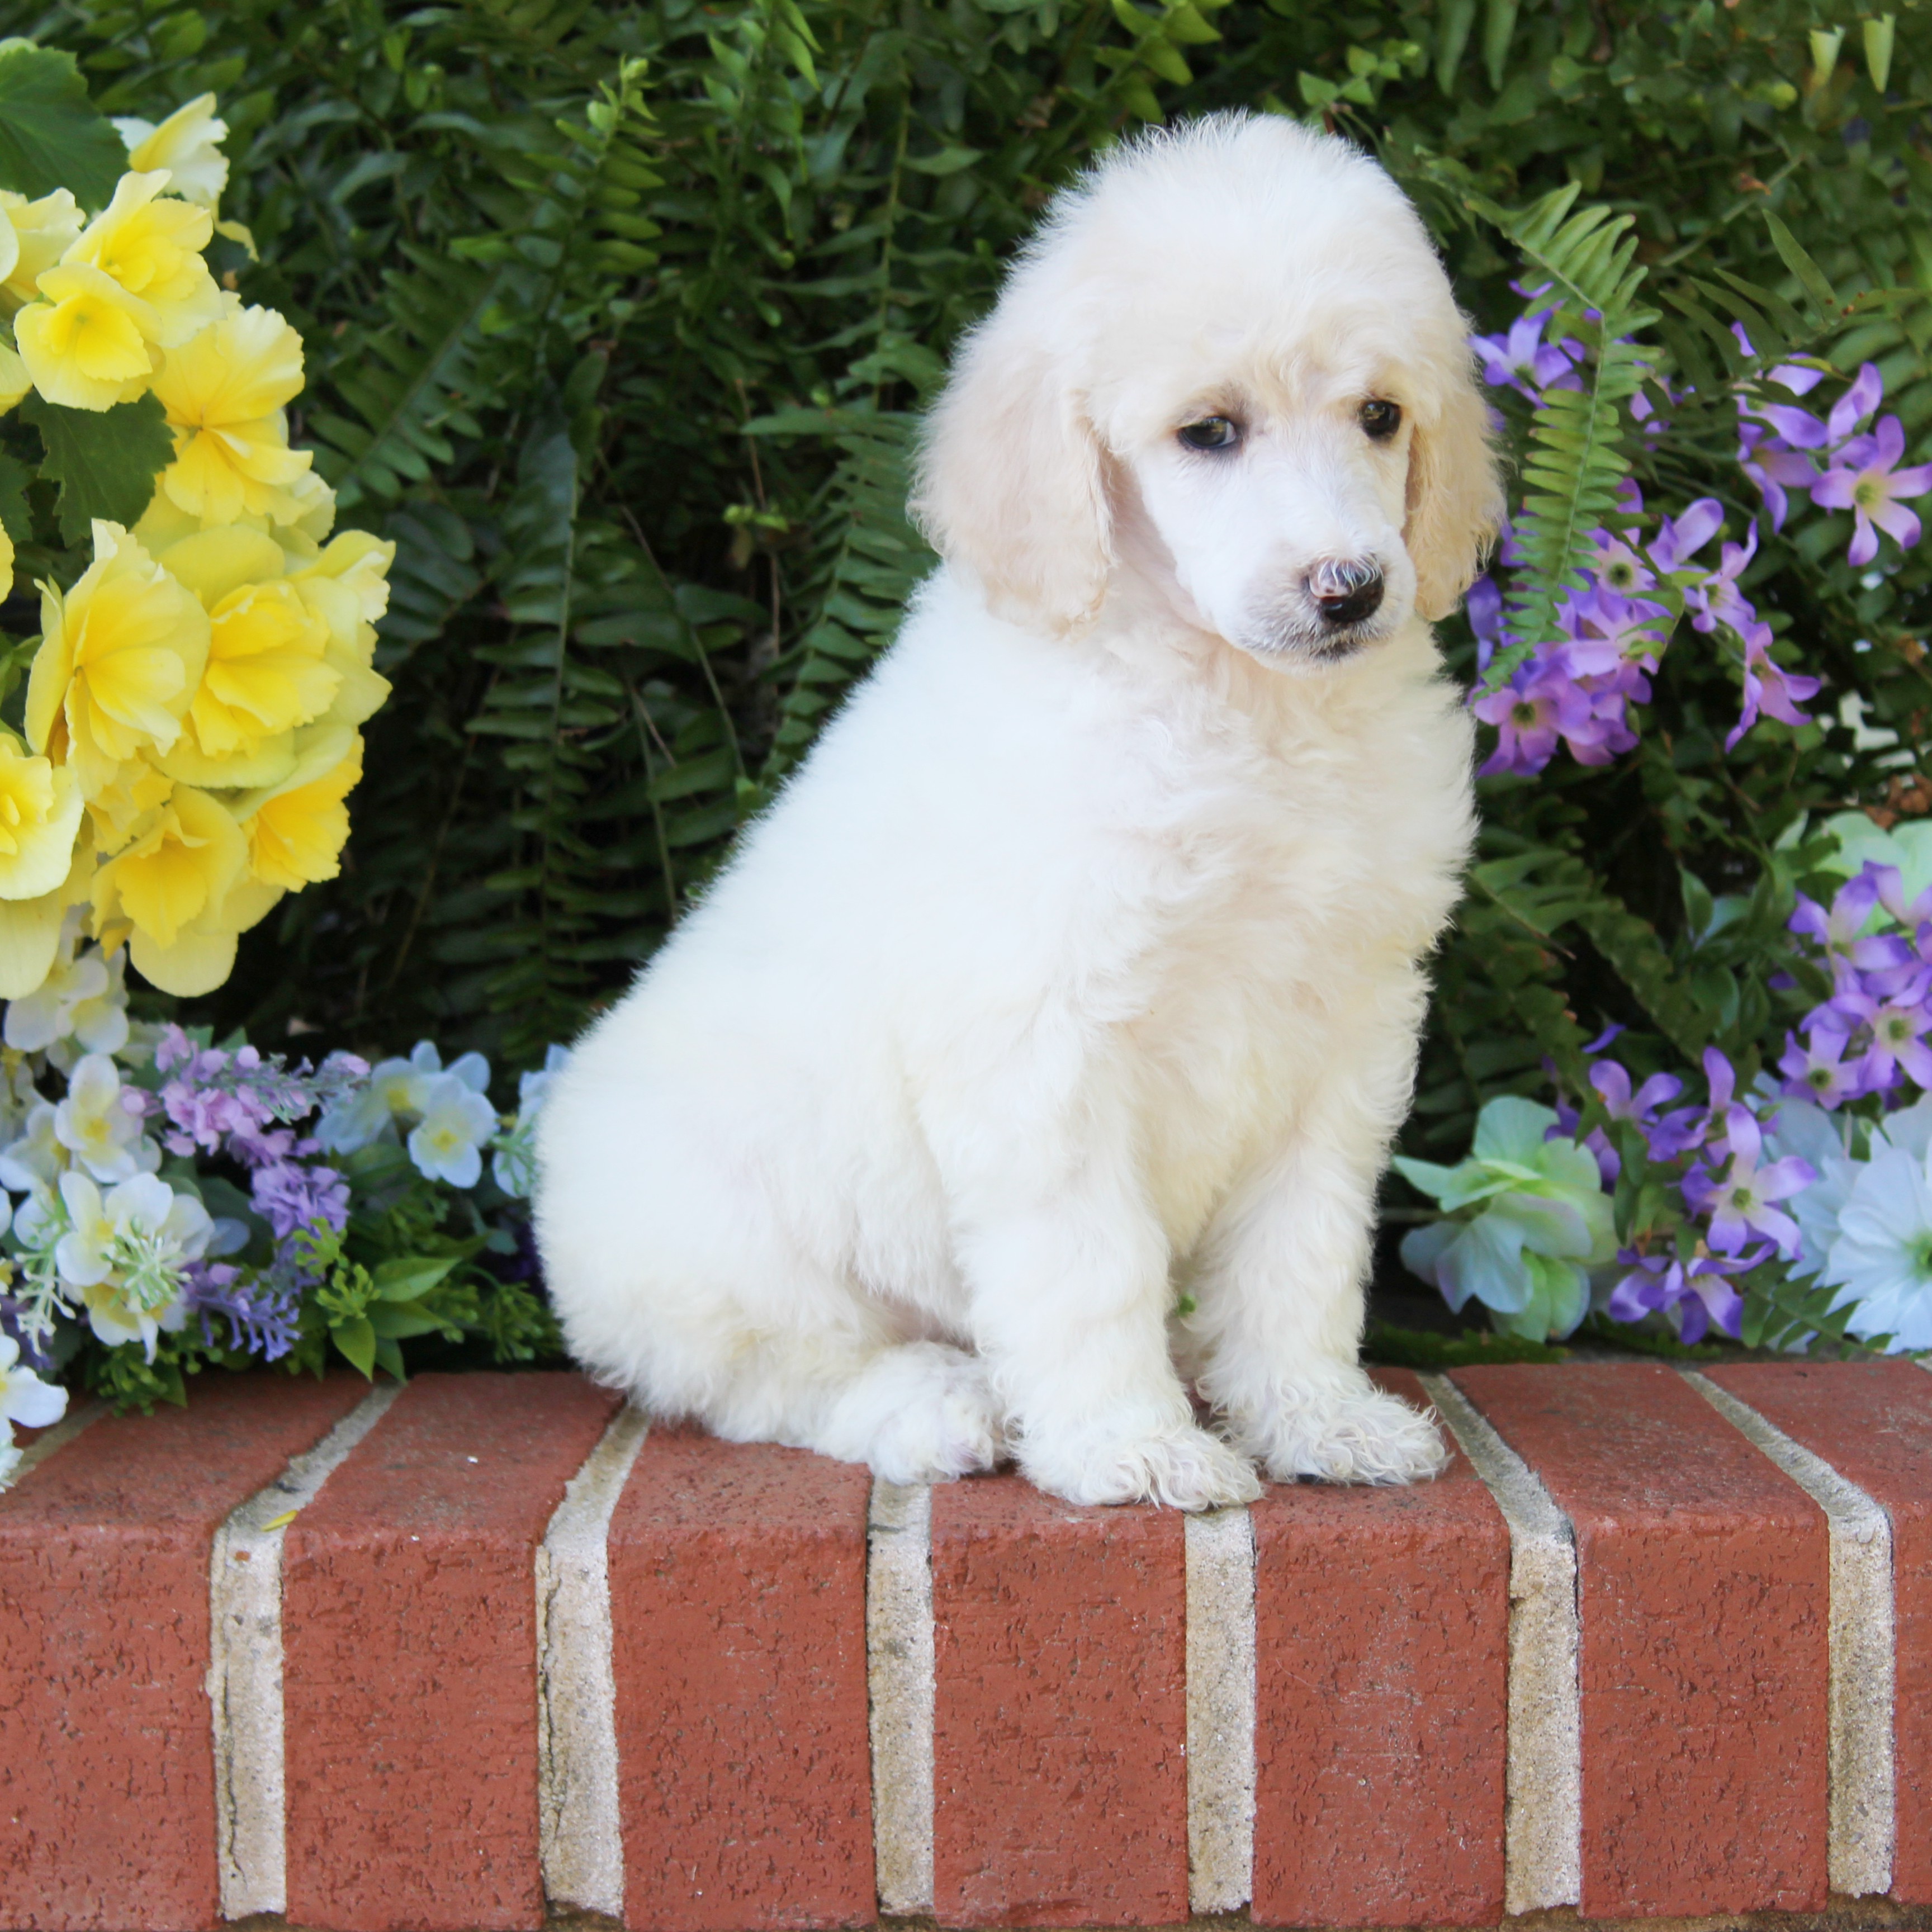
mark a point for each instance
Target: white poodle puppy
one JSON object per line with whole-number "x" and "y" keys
{"x": 1037, "y": 1054}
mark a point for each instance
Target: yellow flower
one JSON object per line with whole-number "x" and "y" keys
{"x": 84, "y": 344}
{"x": 40, "y": 814}
{"x": 14, "y": 382}
{"x": 180, "y": 894}
{"x": 187, "y": 144}
{"x": 223, "y": 391}
{"x": 33, "y": 236}
{"x": 296, "y": 830}
{"x": 6, "y": 564}
{"x": 181, "y": 864}
{"x": 265, "y": 676}
{"x": 150, "y": 245}
{"x": 116, "y": 809}
{"x": 122, "y": 655}
{"x": 209, "y": 562}
{"x": 347, "y": 586}
{"x": 30, "y": 929}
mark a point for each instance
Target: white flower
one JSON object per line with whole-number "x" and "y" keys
{"x": 187, "y": 144}
{"x": 35, "y": 1158}
{"x": 124, "y": 1253}
{"x": 33, "y": 1024}
{"x": 84, "y": 1253}
{"x": 1882, "y": 1256}
{"x": 397, "y": 1090}
{"x": 95, "y": 1126}
{"x": 457, "y": 1121}
{"x": 24, "y": 1397}
{"x": 514, "y": 1165}
{"x": 99, "y": 1023}
{"x": 1818, "y": 1137}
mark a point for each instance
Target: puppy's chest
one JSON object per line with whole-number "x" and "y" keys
{"x": 1288, "y": 864}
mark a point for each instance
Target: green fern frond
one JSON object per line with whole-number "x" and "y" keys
{"x": 404, "y": 392}
{"x": 1576, "y": 461}
{"x": 869, "y": 559}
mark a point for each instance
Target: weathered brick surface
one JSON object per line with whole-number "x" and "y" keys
{"x": 1060, "y": 1779}
{"x": 1703, "y": 1602}
{"x": 1382, "y": 1641}
{"x": 107, "y": 1751}
{"x": 1872, "y": 1422}
{"x": 738, "y": 1634}
{"x": 409, "y": 1658}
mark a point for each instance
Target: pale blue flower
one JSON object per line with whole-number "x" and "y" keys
{"x": 1544, "y": 1222}
{"x": 397, "y": 1090}
{"x": 447, "y": 1144}
{"x": 514, "y": 1165}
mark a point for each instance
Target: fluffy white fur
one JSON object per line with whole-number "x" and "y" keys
{"x": 1078, "y": 969}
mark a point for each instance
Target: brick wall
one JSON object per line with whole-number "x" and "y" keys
{"x": 448, "y": 1658}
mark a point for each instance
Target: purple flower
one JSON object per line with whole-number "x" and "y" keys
{"x": 1521, "y": 360}
{"x": 1769, "y": 688}
{"x": 1816, "y": 1071}
{"x": 1700, "y": 1290}
{"x": 1868, "y": 482}
{"x": 1866, "y": 393}
{"x": 1897, "y": 1038}
{"x": 289, "y": 1195}
{"x": 1742, "y": 1202}
{"x": 1607, "y": 634}
{"x": 1840, "y": 934}
{"x": 1619, "y": 567}
{"x": 1684, "y": 1128}
{"x": 1717, "y": 600}
{"x": 1539, "y": 705}
{"x": 1681, "y": 538}
{"x": 1483, "y": 604}
{"x": 1611, "y": 1082}
{"x": 1774, "y": 468}
{"x": 264, "y": 1315}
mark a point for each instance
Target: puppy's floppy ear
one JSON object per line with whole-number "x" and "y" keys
{"x": 1455, "y": 503}
{"x": 1011, "y": 482}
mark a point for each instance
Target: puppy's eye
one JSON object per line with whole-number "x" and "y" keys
{"x": 1380, "y": 420}
{"x": 1210, "y": 433}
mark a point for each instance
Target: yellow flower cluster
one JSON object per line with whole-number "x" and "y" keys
{"x": 192, "y": 711}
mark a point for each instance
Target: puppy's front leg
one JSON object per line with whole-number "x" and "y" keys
{"x": 1068, "y": 1272}
{"x": 1280, "y": 1282}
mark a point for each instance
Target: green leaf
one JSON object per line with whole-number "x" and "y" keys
{"x": 105, "y": 460}
{"x": 14, "y": 517}
{"x": 1452, "y": 36}
{"x": 50, "y": 135}
{"x": 1499, "y": 30}
{"x": 411, "y": 1276}
{"x": 1800, "y": 264}
{"x": 390, "y": 1323}
{"x": 356, "y": 1339}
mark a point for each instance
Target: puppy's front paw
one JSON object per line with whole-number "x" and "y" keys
{"x": 1342, "y": 1429}
{"x": 1185, "y": 1468}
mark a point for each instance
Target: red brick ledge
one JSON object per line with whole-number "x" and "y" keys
{"x": 482, "y": 1650}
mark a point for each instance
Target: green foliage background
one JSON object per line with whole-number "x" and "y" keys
{"x": 619, "y": 318}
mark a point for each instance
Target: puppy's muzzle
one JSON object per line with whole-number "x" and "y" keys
{"x": 1346, "y": 592}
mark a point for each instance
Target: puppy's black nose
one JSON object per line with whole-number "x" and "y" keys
{"x": 1345, "y": 592}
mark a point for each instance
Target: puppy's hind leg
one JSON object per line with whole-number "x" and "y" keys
{"x": 915, "y": 1411}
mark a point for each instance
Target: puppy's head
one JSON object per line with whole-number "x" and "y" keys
{"x": 1231, "y": 361}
